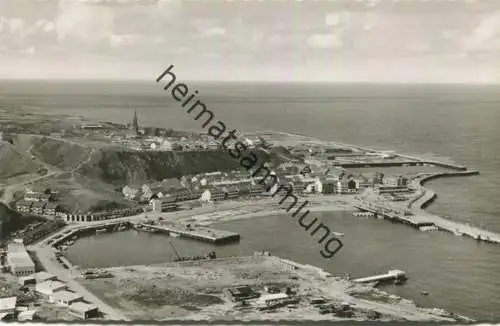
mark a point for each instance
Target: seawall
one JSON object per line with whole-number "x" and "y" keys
{"x": 428, "y": 196}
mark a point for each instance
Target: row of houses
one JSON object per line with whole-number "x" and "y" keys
{"x": 100, "y": 216}
{"x": 38, "y": 208}
{"x": 38, "y": 194}
{"x": 161, "y": 203}
{"x": 298, "y": 184}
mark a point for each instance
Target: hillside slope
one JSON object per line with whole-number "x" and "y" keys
{"x": 131, "y": 167}
{"x": 13, "y": 163}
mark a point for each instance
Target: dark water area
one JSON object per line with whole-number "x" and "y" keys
{"x": 457, "y": 122}
{"x": 457, "y": 272}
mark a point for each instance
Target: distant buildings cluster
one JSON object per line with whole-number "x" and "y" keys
{"x": 39, "y": 201}
{"x": 219, "y": 186}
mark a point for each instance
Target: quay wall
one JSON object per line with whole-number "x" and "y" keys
{"x": 401, "y": 163}
{"x": 428, "y": 196}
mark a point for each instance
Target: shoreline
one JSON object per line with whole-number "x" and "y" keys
{"x": 359, "y": 296}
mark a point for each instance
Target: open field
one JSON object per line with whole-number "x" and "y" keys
{"x": 194, "y": 290}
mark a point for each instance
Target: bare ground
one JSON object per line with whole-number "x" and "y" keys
{"x": 193, "y": 290}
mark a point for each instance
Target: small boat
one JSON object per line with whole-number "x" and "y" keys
{"x": 338, "y": 234}
{"x": 101, "y": 230}
{"x": 424, "y": 293}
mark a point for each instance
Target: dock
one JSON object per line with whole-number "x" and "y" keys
{"x": 195, "y": 232}
{"x": 424, "y": 221}
{"x": 395, "y": 274}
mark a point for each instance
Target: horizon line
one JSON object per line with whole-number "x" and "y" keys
{"x": 237, "y": 81}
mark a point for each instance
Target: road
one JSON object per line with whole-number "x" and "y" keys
{"x": 47, "y": 257}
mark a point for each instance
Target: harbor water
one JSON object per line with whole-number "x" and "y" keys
{"x": 451, "y": 121}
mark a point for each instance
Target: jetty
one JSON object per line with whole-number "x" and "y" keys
{"x": 415, "y": 216}
{"x": 194, "y": 232}
{"x": 395, "y": 274}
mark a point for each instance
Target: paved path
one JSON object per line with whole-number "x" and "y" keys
{"x": 47, "y": 257}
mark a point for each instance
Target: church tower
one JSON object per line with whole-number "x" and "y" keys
{"x": 135, "y": 123}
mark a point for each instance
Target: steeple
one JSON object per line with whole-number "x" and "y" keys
{"x": 135, "y": 123}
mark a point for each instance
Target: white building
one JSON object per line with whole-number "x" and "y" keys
{"x": 19, "y": 260}
{"x": 41, "y": 277}
{"x": 166, "y": 146}
{"x": 272, "y": 298}
{"x": 48, "y": 288}
{"x": 318, "y": 185}
{"x": 65, "y": 298}
{"x": 163, "y": 204}
{"x": 7, "y": 306}
{"x": 83, "y": 310}
{"x": 213, "y": 194}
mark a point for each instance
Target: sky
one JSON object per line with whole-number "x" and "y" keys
{"x": 406, "y": 41}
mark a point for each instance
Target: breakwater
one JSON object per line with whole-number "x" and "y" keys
{"x": 427, "y": 196}
{"x": 403, "y": 163}
{"x": 421, "y": 218}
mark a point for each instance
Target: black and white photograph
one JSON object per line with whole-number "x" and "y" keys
{"x": 267, "y": 161}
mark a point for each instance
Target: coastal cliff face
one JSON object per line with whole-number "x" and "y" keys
{"x": 132, "y": 167}
{"x": 90, "y": 175}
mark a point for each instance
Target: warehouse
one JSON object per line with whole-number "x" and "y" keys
{"x": 19, "y": 260}
{"x": 65, "y": 298}
{"x": 48, "y": 288}
{"x": 83, "y": 310}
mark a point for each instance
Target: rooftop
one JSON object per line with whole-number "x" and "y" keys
{"x": 7, "y": 303}
{"x": 274, "y": 296}
{"x": 43, "y": 276}
{"x": 20, "y": 259}
{"x": 66, "y": 296}
{"x": 50, "y": 285}
{"x": 82, "y": 307}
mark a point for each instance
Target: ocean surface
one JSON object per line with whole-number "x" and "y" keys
{"x": 457, "y": 122}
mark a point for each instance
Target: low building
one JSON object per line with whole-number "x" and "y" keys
{"x": 186, "y": 194}
{"x": 24, "y": 206}
{"x": 18, "y": 259}
{"x": 363, "y": 183}
{"x": 51, "y": 209}
{"x": 41, "y": 277}
{"x": 231, "y": 192}
{"x": 213, "y": 194}
{"x": 26, "y": 315}
{"x": 26, "y": 280}
{"x": 270, "y": 299}
{"x": 7, "y": 307}
{"x": 83, "y": 310}
{"x": 164, "y": 204}
{"x": 318, "y": 185}
{"x": 346, "y": 186}
{"x": 240, "y": 293}
{"x": 329, "y": 187}
{"x": 38, "y": 207}
{"x": 65, "y": 297}
{"x": 48, "y": 288}
{"x": 390, "y": 181}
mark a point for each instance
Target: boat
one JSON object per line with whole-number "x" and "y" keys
{"x": 338, "y": 234}
{"x": 101, "y": 230}
{"x": 424, "y": 293}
